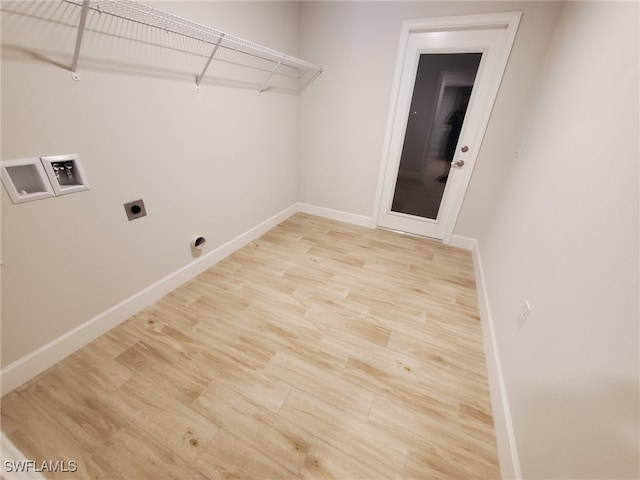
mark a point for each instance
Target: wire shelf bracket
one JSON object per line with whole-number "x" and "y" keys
{"x": 134, "y": 11}
{"x": 81, "y": 27}
{"x": 263, "y": 87}
{"x": 206, "y": 66}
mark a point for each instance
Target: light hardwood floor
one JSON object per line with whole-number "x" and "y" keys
{"x": 320, "y": 350}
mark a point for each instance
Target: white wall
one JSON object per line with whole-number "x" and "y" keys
{"x": 564, "y": 235}
{"x": 558, "y": 226}
{"x": 215, "y": 162}
{"x": 344, "y": 114}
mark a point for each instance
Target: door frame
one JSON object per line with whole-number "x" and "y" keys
{"x": 509, "y": 21}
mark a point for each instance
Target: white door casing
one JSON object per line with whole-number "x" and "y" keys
{"x": 493, "y": 36}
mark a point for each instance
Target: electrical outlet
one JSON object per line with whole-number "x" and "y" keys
{"x": 135, "y": 209}
{"x": 524, "y": 314}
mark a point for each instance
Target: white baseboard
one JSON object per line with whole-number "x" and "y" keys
{"x": 462, "y": 242}
{"x": 46, "y": 356}
{"x": 505, "y": 435}
{"x": 27, "y": 367}
{"x": 339, "y": 215}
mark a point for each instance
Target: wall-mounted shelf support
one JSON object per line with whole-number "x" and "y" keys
{"x": 81, "y": 27}
{"x": 263, "y": 87}
{"x": 315, "y": 75}
{"x": 213, "y": 54}
{"x": 300, "y": 71}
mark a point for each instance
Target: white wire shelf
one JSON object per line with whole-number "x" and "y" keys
{"x": 152, "y": 17}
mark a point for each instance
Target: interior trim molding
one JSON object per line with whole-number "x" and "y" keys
{"x": 459, "y": 241}
{"x": 341, "y": 216}
{"x": 503, "y": 423}
{"x": 508, "y": 23}
{"x": 27, "y": 367}
{"x": 37, "y": 361}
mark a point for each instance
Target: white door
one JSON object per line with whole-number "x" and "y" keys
{"x": 423, "y": 185}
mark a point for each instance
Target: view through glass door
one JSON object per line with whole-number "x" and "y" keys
{"x": 441, "y": 93}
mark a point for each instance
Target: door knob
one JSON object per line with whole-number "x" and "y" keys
{"x": 458, "y": 164}
{"x": 465, "y": 149}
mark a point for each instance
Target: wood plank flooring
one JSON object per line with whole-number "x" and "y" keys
{"x": 320, "y": 350}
